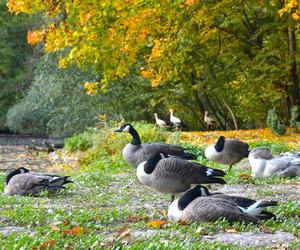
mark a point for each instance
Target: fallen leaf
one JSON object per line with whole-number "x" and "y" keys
{"x": 55, "y": 227}
{"x": 134, "y": 218}
{"x": 47, "y": 244}
{"x": 245, "y": 176}
{"x": 74, "y": 231}
{"x": 157, "y": 223}
{"x": 182, "y": 222}
{"x": 231, "y": 230}
{"x": 66, "y": 222}
{"x": 164, "y": 213}
{"x": 123, "y": 231}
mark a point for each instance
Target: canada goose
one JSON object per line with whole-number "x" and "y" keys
{"x": 160, "y": 123}
{"x": 175, "y": 175}
{"x": 208, "y": 120}
{"x": 21, "y": 182}
{"x": 177, "y": 123}
{"x": 194, "y": 208}
{"x": 227, "y": 152}
{"x": 136, "y": 152}
{"x": 264, "y": 164}
{"x": 249, "y": 206}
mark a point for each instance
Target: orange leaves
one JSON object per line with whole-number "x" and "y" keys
{"x": 190, "y": 2}
{"x": 290, "y": 6}
{"x": 245, "y": 176}
{"x": 35, "y": 36}
{"x": 74, "y": 231}
{"x": 207, "y": 138}
{"x": 91, "y": 88}
{"x": 47, "y": 244}
{"x": 157, "y": 223}
{"x": 18, "y": 6}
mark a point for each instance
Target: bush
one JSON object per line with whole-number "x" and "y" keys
{"x": 56, "y": 103}
{"x": 275, "y": 124}
{"x": 294, "y": 122}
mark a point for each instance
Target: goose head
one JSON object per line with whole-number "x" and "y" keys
{"x": 261, "y": 153}
{"x": 176, "y": 208}
{"x": 20, "y": 170}
{"x": 127, "y": 127}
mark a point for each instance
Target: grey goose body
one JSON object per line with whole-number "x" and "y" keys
{"x": 193, "y": 207}
{"x": 264, "y": 164}
{"x": 136, "y": 152}
{"x": 227, "y": 152}
{"x": 21, "y": 182}
{"x": 175, "y": 175}
{"x": 250, "y": 206}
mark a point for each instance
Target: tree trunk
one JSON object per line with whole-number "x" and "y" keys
{"x": 294, "y": 92}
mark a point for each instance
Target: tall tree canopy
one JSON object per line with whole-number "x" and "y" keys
{"x": 235, "y": 58}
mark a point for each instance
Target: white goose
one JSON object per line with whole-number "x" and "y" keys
{"x": 160, "y": 123}
{"x": 175, "y": 120}
{"x": 264, "y": 164}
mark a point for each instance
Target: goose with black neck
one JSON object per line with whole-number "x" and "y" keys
{"x": 136, "y": 152}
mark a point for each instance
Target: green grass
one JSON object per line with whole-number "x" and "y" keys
{"x": 107, "y": 196}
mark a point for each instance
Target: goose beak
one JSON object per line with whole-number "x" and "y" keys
{"x": 118, "y": 130}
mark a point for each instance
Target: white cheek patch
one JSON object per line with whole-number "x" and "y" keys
{"x": 126, "y": 129}
{"x": 22, "y": 171}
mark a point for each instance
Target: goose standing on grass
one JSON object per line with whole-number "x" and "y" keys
{"x": 136, "y": 152}
{"x": 264, "y": 164}
{"x": 194, "y": 208}
{"x": 177, "y": 123}
{"x": 227, "y": 152}
{"x": 249, "y": 206}
{"x": 21, "y": 182}
{"x": 175, "y": 175}
{"x": 159, "y": 122}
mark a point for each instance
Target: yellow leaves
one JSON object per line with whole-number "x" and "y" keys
{"x": 18, "y": 6}
{"x": 296, "y": 16}
{"x": 155, "y": 82}
{"x": 245, "y": 176}
{"x": 157, "y": 223}
{"x": 91, "y": 88}
{"x": 290, "y": 6}
{"x": 207, "y": 138}
{"x": 35, "y": 36}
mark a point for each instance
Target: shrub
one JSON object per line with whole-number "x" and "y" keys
{"x": 275, "y": 124}
{"x": 294, "y": 122}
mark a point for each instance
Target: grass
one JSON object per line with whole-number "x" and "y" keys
{"x": 107, "y": 208}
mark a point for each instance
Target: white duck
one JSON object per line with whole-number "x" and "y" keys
{"x": 264, "y": 164}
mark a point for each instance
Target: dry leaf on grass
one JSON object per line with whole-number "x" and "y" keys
{"x": 74, "y": 231}
{"x": 55, "y": 227}
{"x": 245, "y": 176}
{"x": 230, "y": 230}
{"x": 47, "y": 244}
{"x": 134, "y": 218}
{"x": 157, "y": 223}
{"x": 123, "y": 231}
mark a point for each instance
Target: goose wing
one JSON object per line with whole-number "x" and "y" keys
{"x": 186, "y": 172}
{"x": 212, "y": 209}
{"x": 237, "y": 147}
{"x": 149, "y": 149}
{"x": 25, "y": 184}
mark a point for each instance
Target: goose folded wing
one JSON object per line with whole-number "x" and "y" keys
{"x": 28, "y": 183}
{"x": 168, "y": 149}
{"x": 207, "y": 209}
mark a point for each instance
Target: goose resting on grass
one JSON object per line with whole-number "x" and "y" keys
{"x": 227, "y": 152}
{"x": 249, "y": 206}
{"x": 175, "y": 175}
{"x": 263, "y": 164}
{"x": 136, "y": 152}
{"x": 192, "y": 207}
{"x": 21, "y": 182}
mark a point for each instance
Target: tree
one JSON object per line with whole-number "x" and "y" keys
{"x": 222, "y": 56}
